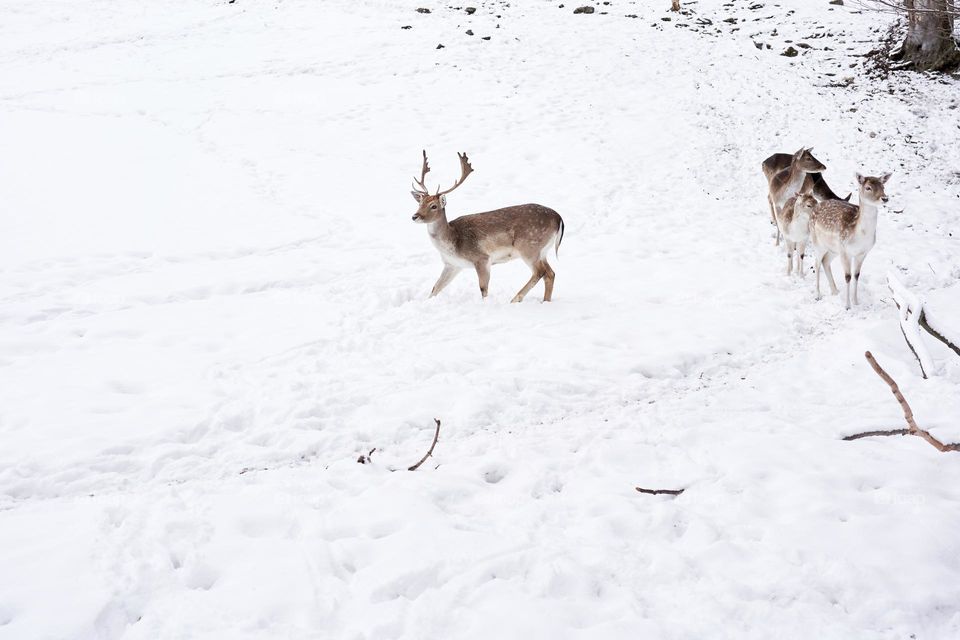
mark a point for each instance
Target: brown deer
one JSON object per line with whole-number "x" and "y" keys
{"x": 788, "y": 182}
{"x": 838, "y": 228}
{"x": 813, "y": 184}
{"x": 480, "y": 240}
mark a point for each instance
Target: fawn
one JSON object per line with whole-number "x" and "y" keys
{"x": 793, "y": 221}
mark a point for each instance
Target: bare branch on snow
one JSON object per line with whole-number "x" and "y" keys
{"x": 658, "y": 492}
{"x": 912, "y": 428}
{"x": 911, "y": 310}
{"x": 429, "y": 453}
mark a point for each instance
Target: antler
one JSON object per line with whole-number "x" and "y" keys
{"x": 465, "y": 170}
{"x": 418, "y": 185}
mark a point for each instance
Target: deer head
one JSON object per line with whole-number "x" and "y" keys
{"x": 871, "y": 188}
{"x": 433, "y": 207}
{"x": 805, "y": 160}
{"x": 804, "y": 205}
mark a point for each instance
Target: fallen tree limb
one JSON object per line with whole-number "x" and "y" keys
{"x": 429, "y": 452}
{"x": 911, "y": 310}
{"x": 658, "y": 492}
{"x": 924, "y": 322}
{"x": 912, "y": 428}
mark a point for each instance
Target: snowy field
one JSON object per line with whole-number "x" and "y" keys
{"x": 213, "y": 300}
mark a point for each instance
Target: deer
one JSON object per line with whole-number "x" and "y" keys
{"x": 789, "y": 181}
{"x": 814, "y": 184}
{"x": 839, "y": 228}
{"x": 480, "y": 240}
{"x": 793, "y": 221}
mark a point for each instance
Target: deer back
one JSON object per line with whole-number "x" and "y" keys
{"x": 527, "y": 228}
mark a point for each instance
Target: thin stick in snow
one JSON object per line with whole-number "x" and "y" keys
{"x": 429, "y": 453}
{"x": 912, "y": 429}
{"x": 658, "y": 492}
{"x": 911, "y": 310}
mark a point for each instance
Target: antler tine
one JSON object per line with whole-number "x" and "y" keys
{"x": 423, "y": 175}
{"x": 465, "y": 170}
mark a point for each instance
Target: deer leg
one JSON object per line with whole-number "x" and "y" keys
{"x": 483, "y": 275}
{"x": 448, "y": 273}
{"x": 789, "y": 246}
{"x": 816, "y": 267}
{"x": 827, "y": 258}
{"x": 531, "y": 283}
{"x": 548, "y": 276}
{"x": 857, "y": 263}
{"x": 773, "y": 214}
{"x": 845, "y": 261}
{"x": 803, "y": 247}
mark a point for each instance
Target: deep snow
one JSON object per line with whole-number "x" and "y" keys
{"x": 213, "y": 300}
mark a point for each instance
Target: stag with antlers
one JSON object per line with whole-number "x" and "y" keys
{"x": 480, "y": 240}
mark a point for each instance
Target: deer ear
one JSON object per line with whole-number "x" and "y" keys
{"x": 859, "y": 179}
{"x": 443, "y": 201}
{"x": 885, "y": 177}
{"x": 799, "y": 153}
{"x": 417, "y": 195}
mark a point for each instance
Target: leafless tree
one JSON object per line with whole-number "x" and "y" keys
{"x": 930, "y": 43}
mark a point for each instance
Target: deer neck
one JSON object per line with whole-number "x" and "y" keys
{"x": 795, "y": 180}
{"x": 441, "y": 233}
{"x": 867, "y": 219}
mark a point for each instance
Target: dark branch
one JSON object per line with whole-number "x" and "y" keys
{"x": 870, "y": 434}
{"x": 429, "y": 453}
{"x": 925, "y": 324}
{"x": 894, "y": 6}
{"x": 658, "y": 492}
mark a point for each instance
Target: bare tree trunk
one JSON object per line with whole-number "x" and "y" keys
{"x": 929, "y": 45}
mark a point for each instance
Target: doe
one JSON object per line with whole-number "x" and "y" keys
{"x": 838, "y": 228}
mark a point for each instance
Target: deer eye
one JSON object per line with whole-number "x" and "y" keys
{"x": 433, "y": 206}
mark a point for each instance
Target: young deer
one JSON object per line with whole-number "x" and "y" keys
{"x": 788, "y": 182}
{"x": 793, "y": 221}
{"x": 838, "y": 228}
{"x": 480, "y": 240}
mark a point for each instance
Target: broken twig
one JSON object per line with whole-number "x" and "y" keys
{"x": 912, "y": 428}
{"x": 365, "y": 459}
{"x": 429, "y": 453}
{"x": 659, "y": 492}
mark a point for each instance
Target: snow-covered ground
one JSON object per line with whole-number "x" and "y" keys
{"x": 213, "y": 300}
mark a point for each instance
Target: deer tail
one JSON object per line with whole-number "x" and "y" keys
{"x": 559, "y": 239}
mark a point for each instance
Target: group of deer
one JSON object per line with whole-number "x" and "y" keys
{"x": 805, "y": 209}
{"x": 802, "y": 205}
